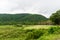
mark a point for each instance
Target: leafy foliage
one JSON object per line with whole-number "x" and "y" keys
{"x": 55, "y": 17}
{"x": 21, "y": 18}
{"x": 15, "y": 33}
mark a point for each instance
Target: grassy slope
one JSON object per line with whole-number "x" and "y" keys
{"x": 10, "y": 32}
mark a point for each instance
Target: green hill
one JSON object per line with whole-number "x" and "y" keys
{"x": 21, "y": 18}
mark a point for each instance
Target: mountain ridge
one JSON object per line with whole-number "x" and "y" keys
{"x": 21, "y": 18}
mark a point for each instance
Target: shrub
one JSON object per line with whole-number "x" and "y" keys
{"x": 19, "y": 25}
{"x": 34, "y": 34}
{"x": 53, "y": 30}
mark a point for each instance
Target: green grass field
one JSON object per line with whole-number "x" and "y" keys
{"x": 29, "y": 32}
{"x": 39, "y": 26}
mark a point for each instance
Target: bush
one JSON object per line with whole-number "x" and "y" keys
{"x": 19, "y": 25}
{"x": 34, "y": 34}
{"x": 53, "y": 30}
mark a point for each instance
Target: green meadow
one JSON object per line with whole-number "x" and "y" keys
{"x": 30, "y": 32}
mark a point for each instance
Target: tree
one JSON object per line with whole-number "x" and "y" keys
{"x": 55, "y": 17}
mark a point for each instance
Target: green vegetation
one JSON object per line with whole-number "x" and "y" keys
{"x": 29, "y": 27}
{"x": 21, "y": 19}
{"x": 55, "y": 17}
{"x": 10, "y": 32}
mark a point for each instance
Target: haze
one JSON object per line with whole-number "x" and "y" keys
{"x": 43, "y": 7}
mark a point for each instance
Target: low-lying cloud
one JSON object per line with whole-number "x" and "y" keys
{"x": 44, "y": 7}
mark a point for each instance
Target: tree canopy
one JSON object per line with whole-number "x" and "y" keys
{"x": 55, "y": 17}
{"x": 21, "y": 18}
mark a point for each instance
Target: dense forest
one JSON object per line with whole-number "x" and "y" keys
{"x": 21, "y": 18}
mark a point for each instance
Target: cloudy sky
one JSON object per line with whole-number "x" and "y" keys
{"x": 44, "y": 7}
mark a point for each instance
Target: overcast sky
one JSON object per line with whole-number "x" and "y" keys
{"x": 44, "y": 7}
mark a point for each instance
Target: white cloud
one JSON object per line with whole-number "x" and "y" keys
{"x": 44, "y": 7}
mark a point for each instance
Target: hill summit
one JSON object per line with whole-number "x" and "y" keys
{"x": 21, "y": 18}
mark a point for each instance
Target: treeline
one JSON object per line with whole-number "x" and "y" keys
{"x": 29, "y": 19}
{"x": 25, "y": 19}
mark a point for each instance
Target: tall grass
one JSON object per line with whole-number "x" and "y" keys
{"x": 16, "y": 33}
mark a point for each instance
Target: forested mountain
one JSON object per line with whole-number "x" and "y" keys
{"x": 21, "y": 18}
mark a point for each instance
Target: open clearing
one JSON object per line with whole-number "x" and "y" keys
{"x": 39, "y": 26}
{"x": 27, "y": 27}
{"x": 11, "y": 32}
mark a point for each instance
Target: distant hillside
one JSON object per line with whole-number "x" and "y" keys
{"x": 21, "y": 18}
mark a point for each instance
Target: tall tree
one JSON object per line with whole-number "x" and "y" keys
{"x": 55, "y": 17}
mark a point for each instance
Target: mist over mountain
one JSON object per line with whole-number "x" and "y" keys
{"x": 44, "y": 7}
